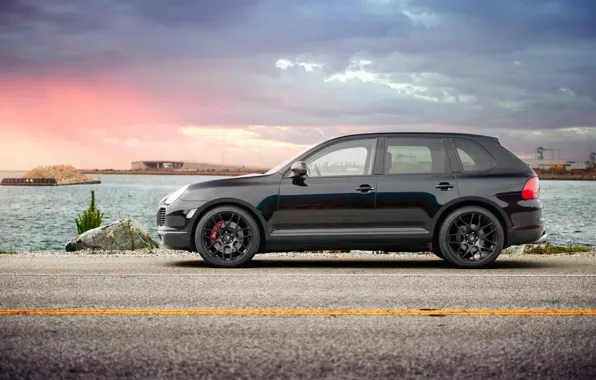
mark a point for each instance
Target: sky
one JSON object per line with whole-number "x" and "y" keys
{"x": 101, "y": 83}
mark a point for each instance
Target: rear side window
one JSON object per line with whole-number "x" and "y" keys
{"x": 472, "y": 156}
{"x": 415, "y": 156}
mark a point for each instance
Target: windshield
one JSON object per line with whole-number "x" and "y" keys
{"x": 291, "y": 159}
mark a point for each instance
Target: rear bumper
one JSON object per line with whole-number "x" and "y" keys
{"x": 527, "y": 223}
{"x": 528, "y": 236}
{"x": 543, "y": 239}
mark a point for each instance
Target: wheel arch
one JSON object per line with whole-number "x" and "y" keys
{"x": 223, "y": 202}
{"x": 470, "y": 201}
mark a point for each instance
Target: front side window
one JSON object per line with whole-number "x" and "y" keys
{"x": 415, "y": 156}
{"x": 472, "y": 156}
{"x": 348, "y": 158}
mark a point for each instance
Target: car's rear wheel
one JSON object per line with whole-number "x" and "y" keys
{"x": 471, "y": 237}
{"x": 227, "y": 237}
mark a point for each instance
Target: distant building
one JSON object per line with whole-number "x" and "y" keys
{"x": 560, "y": 165}
{"x": 579, "y": 165}
{"x": 181, "y": 165}
{"x": 142, "y": 165}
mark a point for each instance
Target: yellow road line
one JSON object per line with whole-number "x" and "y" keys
{"x": 422, "y": 312}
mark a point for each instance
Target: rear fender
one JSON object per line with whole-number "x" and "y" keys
{"x": 487, "y": 203}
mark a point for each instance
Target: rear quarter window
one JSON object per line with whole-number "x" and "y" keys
{"x": 472, "y": 156}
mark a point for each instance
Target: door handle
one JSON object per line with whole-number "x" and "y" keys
{"x": 365, "y": 188}
{"x": 444, "y": 186}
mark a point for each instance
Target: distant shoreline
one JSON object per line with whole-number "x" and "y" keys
{"x": 585, "y": 176}
{"x": 173, "y": 172}
{"x": 545, "y": 176}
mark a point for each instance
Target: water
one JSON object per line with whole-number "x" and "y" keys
{"x": 42, "y": 218}
{"x": 570, "y": 211}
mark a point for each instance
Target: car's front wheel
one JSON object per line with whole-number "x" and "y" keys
{"x": 438, "y": 253}
{"x": 227, "y": 237}
{"x": 471, "y": 237}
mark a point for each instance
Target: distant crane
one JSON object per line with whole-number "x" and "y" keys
{"x": 540, "y": 153}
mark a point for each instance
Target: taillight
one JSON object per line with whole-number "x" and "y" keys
{"x": 531, "y": 189}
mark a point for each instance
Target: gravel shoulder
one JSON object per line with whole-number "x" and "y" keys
{"x": 156, "y": 252}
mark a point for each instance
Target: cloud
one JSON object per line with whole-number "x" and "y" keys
{"x": 513, "y": 23}
{"x": 316, "y": 68}
{"x": 246, "y": 145}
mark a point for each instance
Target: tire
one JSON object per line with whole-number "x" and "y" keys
{"x": 227, "y": 237}
{"x": 438, "y": 253}
{"x": 471, "y": 237}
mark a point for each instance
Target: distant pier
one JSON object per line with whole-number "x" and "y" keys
{"x": 41, "y": 182}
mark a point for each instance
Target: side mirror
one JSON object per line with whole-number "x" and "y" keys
{"x": 298, "y": 169}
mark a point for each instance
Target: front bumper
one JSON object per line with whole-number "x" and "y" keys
{"x": 175, "y": 224}
{"x": 173, "y": 239}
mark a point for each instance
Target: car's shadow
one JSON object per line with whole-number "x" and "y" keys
{"x": 365, "y": 264}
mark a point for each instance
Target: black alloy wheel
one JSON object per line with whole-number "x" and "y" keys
{"x": 471, "y": 237}
{"x": 227, "y": 237}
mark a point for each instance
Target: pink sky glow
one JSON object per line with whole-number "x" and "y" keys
{"x": 107, "y": 125}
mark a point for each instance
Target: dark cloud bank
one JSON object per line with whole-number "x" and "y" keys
{"x": 507, "y": 68}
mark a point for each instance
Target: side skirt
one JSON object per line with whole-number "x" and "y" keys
{"x": 389, "y": 240}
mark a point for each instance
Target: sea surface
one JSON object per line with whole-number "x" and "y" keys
{"x": 42, "y": 218}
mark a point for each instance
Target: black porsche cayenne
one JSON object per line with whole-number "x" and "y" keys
{"x": 464, "y": 197}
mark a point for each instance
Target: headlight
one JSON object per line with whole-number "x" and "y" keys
{"x": 175, "y": 195}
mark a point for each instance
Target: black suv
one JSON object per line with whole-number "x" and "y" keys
{"x": 464, "y": 197}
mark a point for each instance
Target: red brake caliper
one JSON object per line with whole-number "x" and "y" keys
{"x": 213, "y": 234}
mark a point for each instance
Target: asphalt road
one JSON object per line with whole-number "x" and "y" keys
{"x": 296, "y": 346}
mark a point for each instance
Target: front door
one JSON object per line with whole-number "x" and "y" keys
{"x": 417, "y": 181}
{"x": 335, "y": 203}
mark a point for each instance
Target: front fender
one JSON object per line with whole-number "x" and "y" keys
{"x": 254, "y": 211}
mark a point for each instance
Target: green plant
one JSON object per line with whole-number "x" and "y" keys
{"x": 130, "y": 229}
{"x": 148, "y": 234}
{"x": 549, "y": 249}
{"x": 111, "y": 238}
{"x": 90, "y": 218}
{"x": 12, "y": 251}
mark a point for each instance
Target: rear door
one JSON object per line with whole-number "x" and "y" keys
{"x": 417, "y": 182}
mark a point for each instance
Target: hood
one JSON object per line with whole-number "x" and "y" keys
{"x": 224, "y": 180}
{"x": 249, "y": 175}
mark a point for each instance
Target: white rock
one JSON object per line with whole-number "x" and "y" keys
{"x": 117, "y": 236}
